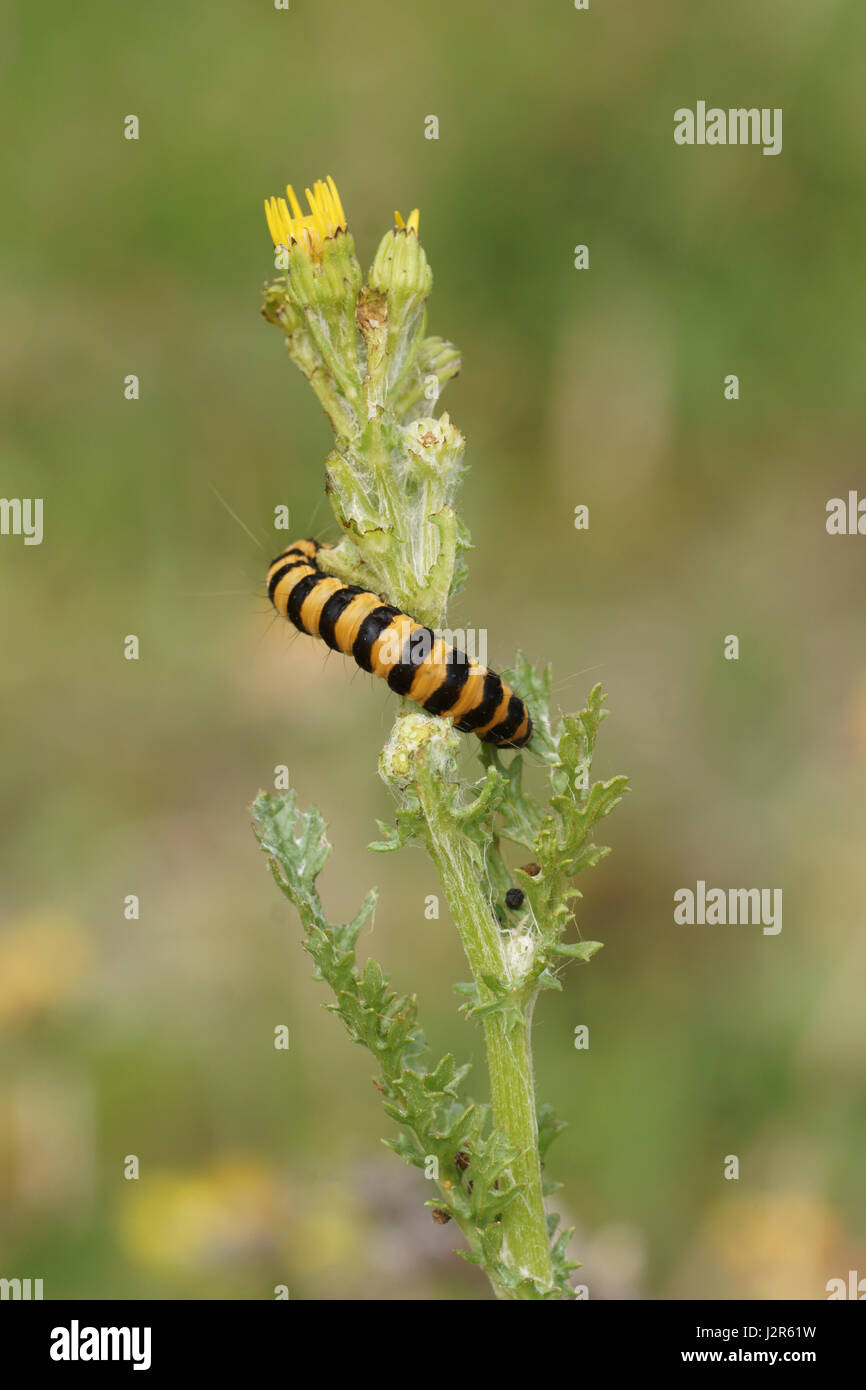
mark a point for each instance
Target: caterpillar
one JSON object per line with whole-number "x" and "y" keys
{"x": 388, "y": 643}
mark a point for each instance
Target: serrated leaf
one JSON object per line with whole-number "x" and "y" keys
{"x": 577, "y": 950}
{"x": 549, "y": 1127}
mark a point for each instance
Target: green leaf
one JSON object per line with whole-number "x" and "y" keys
{"x": 577, "y": 950}
{"x": 549, "y": 1127}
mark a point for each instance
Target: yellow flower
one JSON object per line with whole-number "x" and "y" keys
{"x": 42, "y": 961}
{"x": 775, "y": 1244}
{"x": 202, "y": 1218}
{"x": 411, "y": 224}
{"x": 288, "y": 224}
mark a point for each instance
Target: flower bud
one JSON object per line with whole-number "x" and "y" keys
{"x": 402, "y": 279}
{"x": 400, "y": 268}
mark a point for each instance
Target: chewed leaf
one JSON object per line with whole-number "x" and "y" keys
{"x": 298, "y": 841}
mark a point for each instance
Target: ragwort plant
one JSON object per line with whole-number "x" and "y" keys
{"x": 391, "y": 479}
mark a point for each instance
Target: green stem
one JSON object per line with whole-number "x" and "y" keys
{"x": 303, "y": 353}
{"x": 506, "y": 1032}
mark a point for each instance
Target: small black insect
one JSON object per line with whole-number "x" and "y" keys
{"x": 514, "y": 898}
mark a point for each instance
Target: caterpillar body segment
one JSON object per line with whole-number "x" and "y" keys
{"x": 388, "y": 643}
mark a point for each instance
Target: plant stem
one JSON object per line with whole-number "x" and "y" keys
{"x": 506, "y": 1031}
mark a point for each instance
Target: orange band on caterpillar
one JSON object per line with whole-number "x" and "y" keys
{"x": 390, "y": 644}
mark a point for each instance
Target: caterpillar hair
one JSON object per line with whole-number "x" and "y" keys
{"x": 388, "y": 643}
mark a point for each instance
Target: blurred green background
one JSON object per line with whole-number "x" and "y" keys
{"x": 602, "y": 387}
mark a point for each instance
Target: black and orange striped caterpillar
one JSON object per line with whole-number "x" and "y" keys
{"x": 388, "y": 643}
